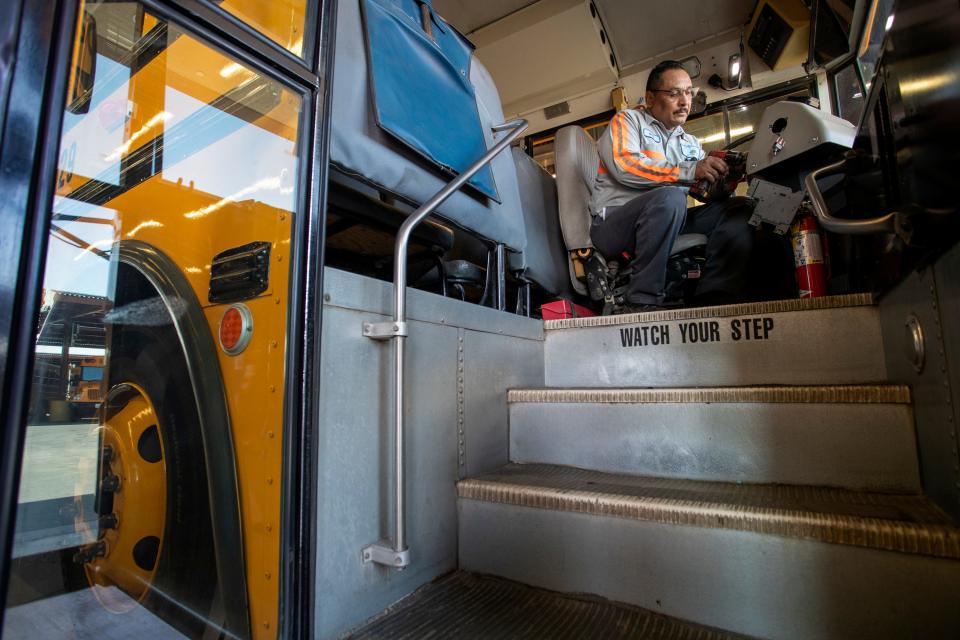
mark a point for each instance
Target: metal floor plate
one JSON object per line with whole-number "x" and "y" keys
{"x": 467, "y": 605}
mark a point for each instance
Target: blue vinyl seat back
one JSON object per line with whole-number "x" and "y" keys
{"x": 421, "y": 86}
{"x": 361, "y": 148}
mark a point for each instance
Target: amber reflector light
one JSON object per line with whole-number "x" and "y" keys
{"x": 235, "y": 329}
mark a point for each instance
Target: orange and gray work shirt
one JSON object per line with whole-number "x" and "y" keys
{"x": 638, "y": 153}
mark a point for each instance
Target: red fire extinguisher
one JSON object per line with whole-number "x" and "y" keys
{"x": 808, "y": 255}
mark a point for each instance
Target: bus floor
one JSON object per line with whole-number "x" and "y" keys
{"x": 108, "y": 614}
{"x": 467, "y": 605}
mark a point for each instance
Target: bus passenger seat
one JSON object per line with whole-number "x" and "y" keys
{"x": 360, "y": 148}
{"x": 577, "y": 162}
{"x": 545, "y": 260}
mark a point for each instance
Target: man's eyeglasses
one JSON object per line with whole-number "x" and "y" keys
{"x": 676, "y": 93}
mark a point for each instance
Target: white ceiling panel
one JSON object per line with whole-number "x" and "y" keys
{"x": 640, "y": 30}
{"x": 470, "y": 15}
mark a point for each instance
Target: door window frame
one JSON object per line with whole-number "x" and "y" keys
{"x": 32, "y": 91}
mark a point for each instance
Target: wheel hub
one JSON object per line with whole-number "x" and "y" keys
{"x": 131, "y": 499}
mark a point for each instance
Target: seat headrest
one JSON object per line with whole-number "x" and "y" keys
{"x": 576, "y": 156}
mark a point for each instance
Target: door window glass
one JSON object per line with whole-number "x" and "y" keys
{"x": 872, "y": 46}
{"x": 708, "y": 130}
{"x": 282, "y": 21}
{"x": 132, "y": 449}
{"x": 849, "y": 93}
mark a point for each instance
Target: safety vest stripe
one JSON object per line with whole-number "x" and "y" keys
{"x": 634, "y": 160}
{"x": 629, "y": 161}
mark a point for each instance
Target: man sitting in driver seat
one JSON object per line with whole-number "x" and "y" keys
{"x": 639, "y": 202}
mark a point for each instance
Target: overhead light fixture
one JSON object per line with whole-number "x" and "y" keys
{"x": 738, "y": 71}
{"x": 733, "y": 71}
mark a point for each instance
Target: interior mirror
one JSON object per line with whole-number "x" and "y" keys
{"x": 84, "y": 69}
{"x": 692, "y": 66}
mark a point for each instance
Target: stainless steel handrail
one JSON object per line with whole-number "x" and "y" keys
{"x": 397, "y": 555}
{"x": 882, "y": 224}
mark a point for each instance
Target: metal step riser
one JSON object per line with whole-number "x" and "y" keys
{"x": 827, "y": 346}
{"x": 760, "y": 585}
{"x": 855, "y": 446}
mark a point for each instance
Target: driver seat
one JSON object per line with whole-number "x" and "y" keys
{"x": 577, "y": 161}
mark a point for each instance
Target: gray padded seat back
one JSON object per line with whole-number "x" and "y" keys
{"x": 545, "y": 257}
{"x": 577, "y": 162}
{"x": 361, "y": 148}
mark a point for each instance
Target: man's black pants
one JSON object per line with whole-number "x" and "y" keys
{"x": 647, "y": 227}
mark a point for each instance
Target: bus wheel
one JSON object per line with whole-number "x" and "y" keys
{"x": 131, "y": 501}
{"x": 153, "y": 542}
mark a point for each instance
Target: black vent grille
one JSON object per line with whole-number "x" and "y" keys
{"x": 240, "y": 273}
{"x": 770, "y": 35}
{"x": 556, "y": 110}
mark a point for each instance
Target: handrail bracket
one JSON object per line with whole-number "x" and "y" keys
{"x": 386, "y": 555}
{"x": 384, "y": 330}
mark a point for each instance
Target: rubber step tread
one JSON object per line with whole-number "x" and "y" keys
{"x": 826, "y": 394}
{"x": 893, "y": 522}
{"x": 721, "y": 311}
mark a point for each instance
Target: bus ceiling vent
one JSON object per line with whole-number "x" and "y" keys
{"x": 556, "y": 110}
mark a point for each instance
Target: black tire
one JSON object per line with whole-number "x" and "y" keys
{"x": 185, "y": 580}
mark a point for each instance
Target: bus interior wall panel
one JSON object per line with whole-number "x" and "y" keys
{"x": 353, "y": 490}
{"x": 947, "y": 274}
{"x": 930, "y": 297}
{"x": 491, "y": 364}
{"x": 355, "y": 476}
{"x": 377, "y": 297}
